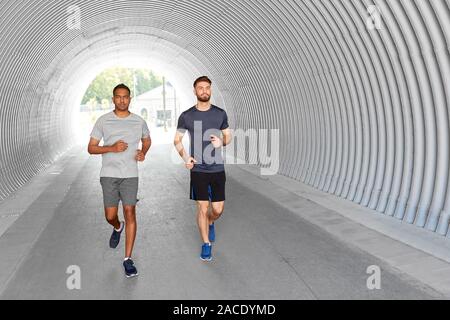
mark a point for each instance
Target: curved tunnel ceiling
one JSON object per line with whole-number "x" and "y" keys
{"x": 363, "y": 112}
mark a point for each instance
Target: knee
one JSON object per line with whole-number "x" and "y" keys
{"x": 203, "y": 210}
{"x": 111, "y": 219}
{"x": 130, "y": 214}
{"x": 111, "y": 216}
{"x": 217, "y": 212}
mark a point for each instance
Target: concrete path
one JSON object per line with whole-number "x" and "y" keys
{"x": 263, "y": 250}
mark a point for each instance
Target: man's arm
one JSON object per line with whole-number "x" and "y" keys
{"x": 146, "y": 144}
{"x": 226, "y": 139}
{"x": 227, "y": 136}
{"x": 94, "y": 147}
{"x": 178, "y": 143}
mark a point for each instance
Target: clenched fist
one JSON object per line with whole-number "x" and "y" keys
{"x": 216, "y": 141}
{"x": 190, "y": 163}
{"x": 120, "y": 146}
{"x": 140, "y": 156}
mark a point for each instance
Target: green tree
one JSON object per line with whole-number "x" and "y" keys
{"x": 145, "y": 81}
{"x": 142, "y": 80}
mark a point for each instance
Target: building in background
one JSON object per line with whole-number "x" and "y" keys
{"x": 159, "y": 106}
{"x": 158, "y": 112}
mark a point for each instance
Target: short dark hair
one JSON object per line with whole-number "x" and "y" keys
{"x": 202, "y": 78}
{"x": 121, "y": 86}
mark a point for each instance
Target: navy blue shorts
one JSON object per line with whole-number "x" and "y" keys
{"x": 208, "y": 186}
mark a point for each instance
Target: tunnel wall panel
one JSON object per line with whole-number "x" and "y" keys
{"x": 362, "y": 113}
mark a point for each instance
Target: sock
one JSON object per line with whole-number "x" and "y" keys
{"x": 120, "y": 228}
{"x": 128, "y": 258}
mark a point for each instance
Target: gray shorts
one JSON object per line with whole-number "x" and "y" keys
{"x": 117, "y": 189}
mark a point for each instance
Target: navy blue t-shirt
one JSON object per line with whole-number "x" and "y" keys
{"x": 200, "y": 125}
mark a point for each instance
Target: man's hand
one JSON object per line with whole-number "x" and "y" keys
{"x": 216, "y": 141}
{"x": 189, "y": 163}
{"x": 119, "y": 146}
{"x": 140, "y": 156}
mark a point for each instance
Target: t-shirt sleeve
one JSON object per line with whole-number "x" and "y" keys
{"x": 97, "y": 131}
{"x": 145, "y": 130}
{"x": 181, "y": 124}
{"x": 224, "y": 122}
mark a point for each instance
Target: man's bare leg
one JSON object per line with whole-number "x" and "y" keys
{"x": 216, "y": 211}
{"x": 203, "y": 220}
{"x": 111, "y": 215}
{"x": 130, "y": 229}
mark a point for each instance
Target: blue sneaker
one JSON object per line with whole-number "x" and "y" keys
{"x": 206, "y": 252}
{"x": 115, "y": 237}
{"x": 130, "y": 269}
{"x": 212, "y": 233}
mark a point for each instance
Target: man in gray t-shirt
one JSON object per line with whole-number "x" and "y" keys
{"x": 131, "y": 130}
{"x": 121, "y": 131}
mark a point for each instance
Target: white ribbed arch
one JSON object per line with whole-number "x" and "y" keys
{"x": 363, "y": 114}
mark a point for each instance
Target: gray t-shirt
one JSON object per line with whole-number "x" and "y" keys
{"x": 111, "y": 129}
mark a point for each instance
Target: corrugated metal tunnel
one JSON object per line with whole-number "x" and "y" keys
{"x": 359, "y": 89}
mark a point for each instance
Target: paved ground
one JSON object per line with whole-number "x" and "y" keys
{"x": 263, "y": 250}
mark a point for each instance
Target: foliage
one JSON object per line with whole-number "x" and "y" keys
{"x": 141, "y": 80}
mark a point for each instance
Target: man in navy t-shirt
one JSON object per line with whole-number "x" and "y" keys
{"x": 208, "y": 130}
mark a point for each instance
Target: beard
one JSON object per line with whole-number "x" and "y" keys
{"x": 204, "y": 98}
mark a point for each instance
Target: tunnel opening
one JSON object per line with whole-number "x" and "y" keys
{"x": 51, "y": 100}
{"x": 360, "y": 95}
{"x": 153, "y": 97}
